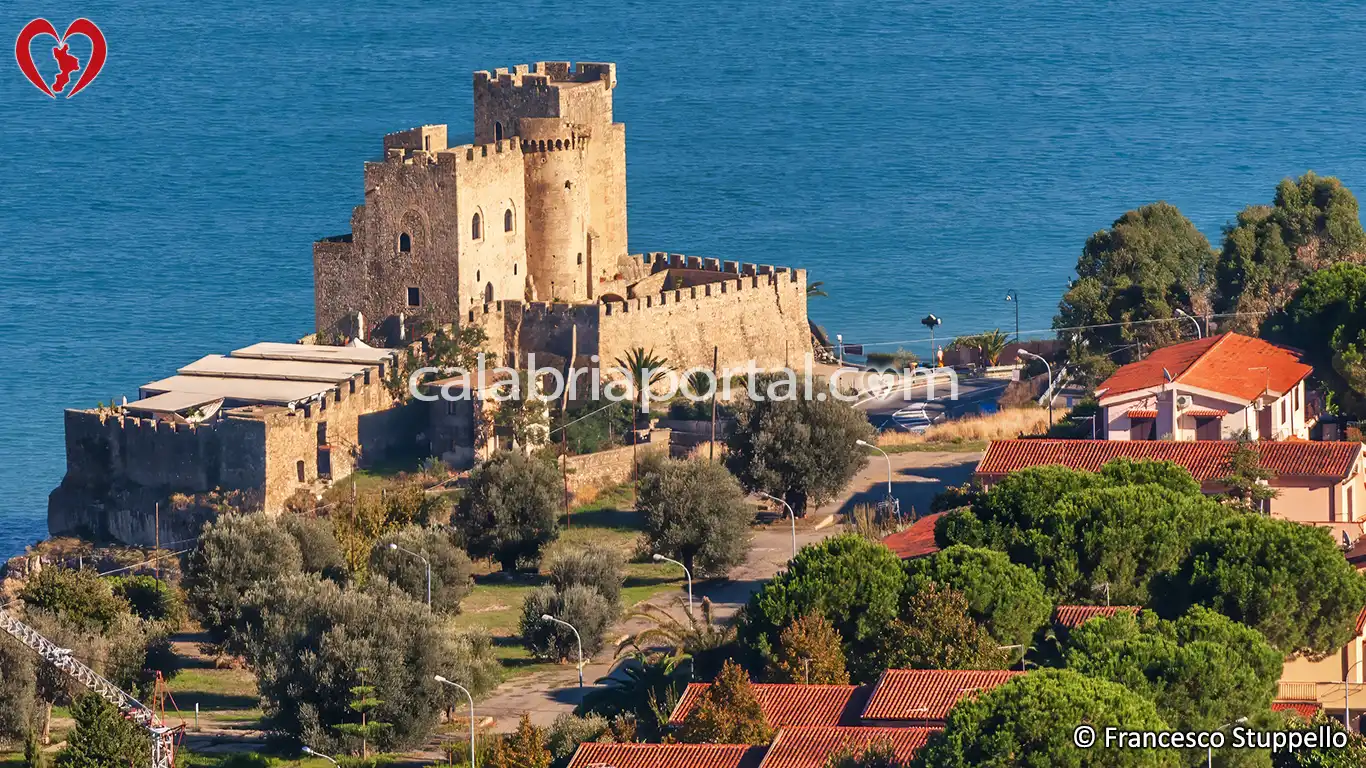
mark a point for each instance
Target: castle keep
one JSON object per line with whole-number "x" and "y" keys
{"x": 524, "y": 233}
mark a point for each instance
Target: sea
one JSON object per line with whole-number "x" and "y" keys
{"x": 917, "y": 157}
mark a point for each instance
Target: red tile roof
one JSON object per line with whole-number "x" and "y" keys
{"x": 915, "y": 541}
{"x": 788, "y": 704}
{"x": 1305, "y": 709}
{"x": 1205, "y": 459}
{"x": 1361, "y": 621}
{"x": 1073, "y": 616}
{"x": 596, "y": 755}
{"x": 1215, "y": 364}
{"x": 1141, "y": 413}
{"x": 927, "y": 694}
{"x": 810, "y": 747}
{"x": 1204, "y": 413}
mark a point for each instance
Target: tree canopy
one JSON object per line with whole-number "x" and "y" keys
{"x": 1287, "y": 580}
{"x": 801, "y": 450}
{"x": 695, "y": 511}
{"x": 234, "y": 553}
{"x": 1149, "y": 263}
{"x": 510, "y": 511}
{"x": 1326, "y": 319}
{"x": 854, "y": 583}
{"x": 450, "y": 567}
{"x": 933, "y": 631}
{"x": 1031, "y": 720}
{"x": 1312, "y": 223}
{"x": 1202, "y": 670}
{"x": 1008, "y": 600}
{"x": 809, "y": 651}
{"x": 728, "y": 712}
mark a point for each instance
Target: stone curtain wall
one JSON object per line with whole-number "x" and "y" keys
{"x": 612, "y": 467}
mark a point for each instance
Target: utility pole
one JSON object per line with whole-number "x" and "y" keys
{"x": 157, "y": 552}
{"x": 716, "y": 385}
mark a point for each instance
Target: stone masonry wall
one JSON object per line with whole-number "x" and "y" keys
{"x": 611, "y": 467}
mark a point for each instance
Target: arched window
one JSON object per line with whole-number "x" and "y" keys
{"x": 299, "y": 469}
{"x": 476, "y": 276}
{"x": 488, "y": 293}
{"x": 476, "y": 227}
{"x": 405, "y": 243}
{"x": 497, "y": 131}
{"x": 507, "y": 220}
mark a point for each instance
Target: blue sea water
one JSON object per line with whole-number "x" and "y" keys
{"x": 917, "y": 157}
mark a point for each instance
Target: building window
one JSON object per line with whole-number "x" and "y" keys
{"x": 414, "y": 297}
{"x": 1283, "y": 410}
{"x": 427, "y": 143}
{"x": 488, "y": 293}
{"x": 405, "y": 243}
{"x": 514, "y": 269}
{"x": 299, "y": 468}
{"x": 476, "y": 276}
{"x": 497, "y": 130}
{"x": 507, "y": 220}
{"x": 580, "y": 259}
{"x": 476, "y": 227}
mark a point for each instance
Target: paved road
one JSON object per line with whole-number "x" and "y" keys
{"x": 972, "y": 394}
{"x": 916, "y": 478}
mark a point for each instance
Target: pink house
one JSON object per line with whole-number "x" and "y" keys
{"x": 1208, "y": 389}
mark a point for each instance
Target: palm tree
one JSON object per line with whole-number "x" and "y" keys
{"x": 991, "y": 344}
{"x": 816, "y": 289}
{"x": 646, "y": 687}
{"x": 645, "y": 369}
{"x": 704, "y": 642}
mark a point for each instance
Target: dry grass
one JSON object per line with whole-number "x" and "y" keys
{"x": 1002, "y": 425}
{"x": 703, "y": 451}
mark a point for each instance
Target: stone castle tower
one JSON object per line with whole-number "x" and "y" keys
{"x": 534, "y": 210}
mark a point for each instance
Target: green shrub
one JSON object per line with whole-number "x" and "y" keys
{"x": 583, "y": 607}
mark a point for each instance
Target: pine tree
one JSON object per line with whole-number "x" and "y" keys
{"x": 363, "y": 703}
{"x": 727, "y": 713}
{"x": 102, "y": 738}
{"x": 809, "y": 651}
{"x": 1245, "y": 478}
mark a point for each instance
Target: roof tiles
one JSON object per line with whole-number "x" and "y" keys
{"x": 594, "y": 755}
{"x": 927, "y": 694}
{"x": 1205, "y": 459}
{"x": 915, "y": 541}
{"x": 811, "y": 747}
{"x": 1220, "y": 364}
{"x": 1073, "y": 616}
{"x": 787, "y": 704}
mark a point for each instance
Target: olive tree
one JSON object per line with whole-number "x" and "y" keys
{"x": 234, "y": 554}
{"x": 509, "y": 513}
{"x": 451, "y": 570}
{"x": 695, "y": 512}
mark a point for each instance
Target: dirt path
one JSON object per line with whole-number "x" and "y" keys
{"x": 916, "y": 478}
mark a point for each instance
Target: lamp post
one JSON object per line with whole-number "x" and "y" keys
{"x": 1013, "y": 297}
{"x": 1047, "y": 390}
{"x": 1016, "y": 647}
{"x": 791, "y": 514}
{"x": 307, "y": 750}
{"x": 1347, "y": 696}
{"x": 1194, "y": 322}
{"x": 660, "y": 558}
{"x": 1091, "y": 418}
{"x": 932, "y": 322}
{"x": 1209, "y": 749}
{"x": 397, "y": 548}
{"x": 867, "y": 444}
{"x": 465, "y": 691}
{"x": 577, "y": 639}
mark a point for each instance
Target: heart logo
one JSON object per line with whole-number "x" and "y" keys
{"x": 67, "y": 64}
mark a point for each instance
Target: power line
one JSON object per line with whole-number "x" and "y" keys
{"x": 1178, "y": 319}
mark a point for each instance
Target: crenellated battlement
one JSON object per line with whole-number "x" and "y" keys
{"x": 573, "y": 141}
{"x": 544, "y": 74}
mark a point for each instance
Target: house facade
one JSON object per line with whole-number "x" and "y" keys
{"x": 1209, "y": 389}
{"x": 1328, "y": 682}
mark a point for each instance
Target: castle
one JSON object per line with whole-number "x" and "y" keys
{"x": 522, "y": 233}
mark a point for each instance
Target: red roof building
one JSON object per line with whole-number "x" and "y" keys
{"x": 925, "y": 696}
{"x": 1073, "y": 616}
{"x": 915, "y": 541}
{"x": 594, "y": 755}
{"x": 1305, "y": 709}
{"x": 811, "y": 747}
{"x": 1209, "y": 389}
{"x": 789, "y": 704}
{"x": 1316, "y": 483}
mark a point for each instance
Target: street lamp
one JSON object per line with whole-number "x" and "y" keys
{"x": 1016, "y": 647}
{"x": 465, "y": 691}
{"x": 793, "y": 515}
{"x": 1209, "y": 749}
{"x": 397, "y": 548}
{"x": 307, "y": 750}
{"x": 1347, "y": 696}
{"x": 577, "y": 638}
{"x": 1091, "y": 418}
{"x": 1047, "y": 390}
{"x": 867, "y": 444}
{"x": 658, "y": 558}
{"x": 1013, "y": 297}
{"x": 1194, "y": 322}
